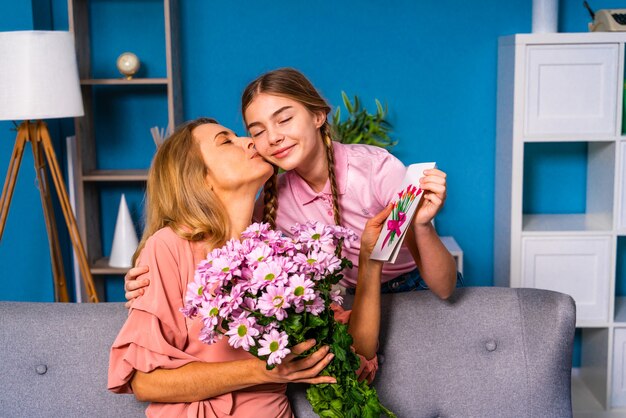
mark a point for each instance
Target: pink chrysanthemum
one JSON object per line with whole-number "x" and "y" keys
{"x": 274, "y": 344}
{"x": 267, "y": 273}
{"x": 315, "y": 235}
{"x": 348, "y": 235}
{"x": 259, "y": 253}
{"x": 193, "y": 299}
{"x": 335, "y": 296}
{"x": 315, "y": 306}
{"x": 241, "y": 332}
{"x": 209, "y": 336}
{"x": 301, "y": 289}
{"x": 210, "y": 313}
{"x": 231, "y": 301}
{"x": 256, "y": 231}
{"x": 223, "y": 269}
{"x": 274, "y": 302}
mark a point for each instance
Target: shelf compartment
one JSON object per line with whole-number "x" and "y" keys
{"x": 116, "y": 176}
{"x": 125, "y": 116}
{"x": 590, "y": 381}
{"x": 119, "y": 26}
{"x": 109, "y": 196}
{"x": 618, "y": 392}
{"x": 568, "y": 186}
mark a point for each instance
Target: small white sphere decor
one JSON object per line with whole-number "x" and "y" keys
{"x": 128, "y": 64}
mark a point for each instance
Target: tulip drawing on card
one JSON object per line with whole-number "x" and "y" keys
{"x": 398, "y": 215}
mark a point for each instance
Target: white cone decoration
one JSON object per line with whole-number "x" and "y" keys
{"x": 125, "y": 238}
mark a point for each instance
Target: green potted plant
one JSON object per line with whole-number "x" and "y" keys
{"x": 361, "y": 126}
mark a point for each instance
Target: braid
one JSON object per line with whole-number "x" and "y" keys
{"x": 270, "y": 199}
{"x": 330, "y": 156}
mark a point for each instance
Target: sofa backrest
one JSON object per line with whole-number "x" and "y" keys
{"x": 55, "y": 359}
{"x": 486, "y": 352}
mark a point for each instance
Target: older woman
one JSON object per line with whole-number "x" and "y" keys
{"x": 201, "y": 191}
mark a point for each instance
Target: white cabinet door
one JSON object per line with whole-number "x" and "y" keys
{"x": 571, "y": 90}
{"x": 618, "y": 393}
{"x": 577, "y": 266}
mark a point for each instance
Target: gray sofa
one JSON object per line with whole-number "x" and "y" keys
{"x": 487, "y": 352}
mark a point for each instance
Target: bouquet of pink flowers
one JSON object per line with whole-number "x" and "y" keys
{"x": 268, "y": 292}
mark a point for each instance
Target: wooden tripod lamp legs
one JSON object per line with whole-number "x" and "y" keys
{"x": 56, "y": 257}
{"x": 37, "y": 133}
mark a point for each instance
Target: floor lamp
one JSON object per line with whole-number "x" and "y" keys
{"x": 39, "y": 80}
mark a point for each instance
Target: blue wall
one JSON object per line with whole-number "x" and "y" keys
{"x": 432, "y": 62}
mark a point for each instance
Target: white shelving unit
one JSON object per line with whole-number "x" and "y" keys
{"x": 558, "y": 89}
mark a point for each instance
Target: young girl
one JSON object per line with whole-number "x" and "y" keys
{"x": 200, "y": 193}
{"x": 334, "y": 183}
{"x": 331, "y": 182}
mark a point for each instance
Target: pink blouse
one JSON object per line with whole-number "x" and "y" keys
{"x": 367, "y": 180}
{"x": 157, "y": 335}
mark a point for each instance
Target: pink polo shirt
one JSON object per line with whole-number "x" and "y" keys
{"x": 367, "y": 179}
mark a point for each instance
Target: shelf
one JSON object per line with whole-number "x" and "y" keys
{"x": 116, "y": 175}
{"x": 122, "y": 81}
{"x": 101, "y": 267}
{"x": 596, "y": 325}
{"x": 566, "y": 223}
{"x": 566, "y": 138}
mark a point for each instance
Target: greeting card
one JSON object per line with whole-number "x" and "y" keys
{"x": 404, "y": 207}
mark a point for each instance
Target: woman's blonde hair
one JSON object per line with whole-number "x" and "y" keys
{"x": 177, "y": 193}
{"x": 291, "y": 83}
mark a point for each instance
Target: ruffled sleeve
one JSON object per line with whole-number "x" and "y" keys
{"x": 155, "y": 333}
{"x": 368, "y": 368}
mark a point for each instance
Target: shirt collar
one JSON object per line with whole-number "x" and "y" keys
{"x": 305, "y": 194}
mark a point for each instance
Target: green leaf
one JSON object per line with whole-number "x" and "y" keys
{"x": 346, "y": 102}
{"x": 313, "y": 321}
{"x": 379, "y": 107}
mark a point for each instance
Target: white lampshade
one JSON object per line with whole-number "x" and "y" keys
{"x": 38, "y": 76}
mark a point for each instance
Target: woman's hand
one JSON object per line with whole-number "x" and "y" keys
{"x": 134, "y": 287}
{"x": 434, "y": 186}
{"x": 371, "y": 232}
{"x": 294, "y": 369}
